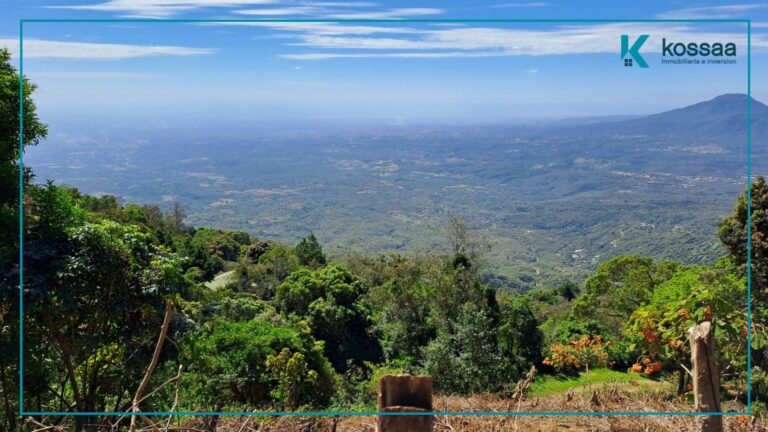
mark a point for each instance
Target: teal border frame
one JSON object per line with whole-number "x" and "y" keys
{"x": 22, "y": 412}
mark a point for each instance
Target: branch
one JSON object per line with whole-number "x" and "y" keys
{"x": 152, "y": 365}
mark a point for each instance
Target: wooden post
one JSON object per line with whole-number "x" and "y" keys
{"x": 406, "y": 394}
{"x": 706, "y": 377}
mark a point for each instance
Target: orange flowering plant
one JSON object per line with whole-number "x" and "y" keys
{"x": 578, "y": 354}
{"x": 693, "y": 295}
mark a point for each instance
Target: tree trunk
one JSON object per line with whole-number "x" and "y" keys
{"x": 155, "y": 358}
{"x": 706, "y": 377}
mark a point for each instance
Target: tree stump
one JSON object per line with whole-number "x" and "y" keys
{"x": 706, "y": 377}
{"x": 405, "y": 394}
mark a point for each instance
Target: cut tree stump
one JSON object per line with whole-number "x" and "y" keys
{"x": 706, "y": 377}
{"x": 405, "y": 394}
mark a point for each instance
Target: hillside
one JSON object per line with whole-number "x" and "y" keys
{"x": 133, "y": 306}
{"x": 556, "y": 199}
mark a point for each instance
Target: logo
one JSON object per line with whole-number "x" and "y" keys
{"x": 633, "y": 52}
{"x": 693, "y": 49}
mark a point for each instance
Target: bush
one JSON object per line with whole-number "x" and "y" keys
{"x": 621, "y": 355}
{"x": 465, "y": 358}
{"x": 255, "y": 363}
{"x": 759, "y": 385}
{"x": 331, "y": 299}
{"x": 583, "y": 353}
{"x": 310, "y": 253}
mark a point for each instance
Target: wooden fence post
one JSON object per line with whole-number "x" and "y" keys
{"x": 706, "y": 377}
{"x": 405, "y": 394}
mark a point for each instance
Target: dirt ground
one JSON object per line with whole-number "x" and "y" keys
{"x": 607, "y": 399}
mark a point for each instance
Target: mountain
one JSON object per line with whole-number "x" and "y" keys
{"x": 720, "y": 121}
{"x": 723, "y": 115}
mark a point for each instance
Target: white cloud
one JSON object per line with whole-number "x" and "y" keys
{"x": 36, "y": 48}
{"x": 490, "y": 41}
{"x": 532, "y": 71}
{"x": 522, "y": 5}
{"x": 342, "y": 4}
{"x": 331, "y": 10}
{"x": 389, "y": 14}
{"x": 406, "y": 55}
{"x": 89, "y": 75}
{"x": 297, "y": 10}
{"x": 160, "y": 8}
{"x": 323, "y": 28}
{"x": 712, "y": 12}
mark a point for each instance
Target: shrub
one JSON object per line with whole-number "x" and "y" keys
{"x": 583, "y": 353}
{"x": 621, "y": 355}
{"x": 465, "y": 357}
{"x": 331, "y": 299}
{"x": 255, "y": 363}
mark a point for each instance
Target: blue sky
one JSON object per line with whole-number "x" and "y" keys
{"x": 393, "y": 70}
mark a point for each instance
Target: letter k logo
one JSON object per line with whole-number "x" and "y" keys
{"x": 633, "y": 51}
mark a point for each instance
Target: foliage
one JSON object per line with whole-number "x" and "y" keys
{"x": 579, "y": 354}
{"x": 464, "y": 357}
{"x": 249, "y": 363}
{"x": 98, "y": 304}
{"x": 733, "y": 234}
{"x": 520, "y": 340}
{"x": 618, "y": 287}
{"x": 273, "y": 263}
{"x": 309, "y": 252}
{"x": 331, "y": 299}
{"x": 296, "y": 381}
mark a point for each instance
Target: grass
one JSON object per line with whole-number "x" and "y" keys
{"x": 221, "y": 280}
{"x": 547, "y": 385}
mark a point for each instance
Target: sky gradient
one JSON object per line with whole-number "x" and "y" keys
{"x": 383, "y": 70}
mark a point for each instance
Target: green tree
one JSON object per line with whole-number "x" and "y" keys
{"x": 255, "y": 363}
{"x": 465, "y": 357}
{"x": 692, "y": 295}
{"x": 10, "y": 177}
{"x": 567, "y": 290}
{"x": 520, "y": 340}
{"x": 310, "y": 253}
{"x": 273, "y": 263}
{"x": 34, "y": 131}
{"x": 95, "y": 300}
{"x": 733, "y": 234}
{"x": 618, "y": 287}
{"x": 332, "y": 301}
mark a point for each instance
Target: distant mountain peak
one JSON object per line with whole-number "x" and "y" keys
{"x": 734, "y": 98}
{"x": 724, "y": 116}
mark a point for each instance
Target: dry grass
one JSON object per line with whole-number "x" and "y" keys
{"x": 609, "y": 398}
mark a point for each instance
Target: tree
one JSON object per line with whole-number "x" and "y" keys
{"x": 34, "y": 131}
{"x": 567, "y": 290}
{"x": 257, "y": 362}
{"x": 265, "y": 266}
{"x": 93, "y": 303}
{"x": 464, "y": 357}
{"x": 310, "y": 253}
{"x": 733, "y": 234}
{"x": 331, "y": 299}
{"x": 520, "y": 340}
{"x": 618, "y": 287}
{"x": 402, "y": 312}
{"x": 464, "y": 241}
{"x": 175, "y": 217}
{"x": 694, "y": 294}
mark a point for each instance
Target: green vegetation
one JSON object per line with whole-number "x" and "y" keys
{"x": 553, "y": 384}
{"x": 290, "y": 328}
